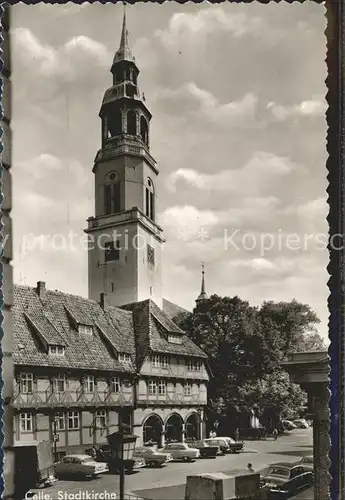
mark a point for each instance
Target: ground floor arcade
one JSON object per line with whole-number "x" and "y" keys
{"x": 159, "y": 426}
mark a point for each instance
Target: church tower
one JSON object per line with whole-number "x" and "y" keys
{"x": 125, "y": 241}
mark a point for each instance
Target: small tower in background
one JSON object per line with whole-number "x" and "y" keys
{"x": 203, "y": 294}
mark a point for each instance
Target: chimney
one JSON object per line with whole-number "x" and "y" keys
{"x": 103, "y": 301}
{"x": 41, "y": 289}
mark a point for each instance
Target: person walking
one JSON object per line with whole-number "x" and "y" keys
{"x": 237, "y": 434}
{"x": 275, "y": 434}
{"x": 250, "y": 468}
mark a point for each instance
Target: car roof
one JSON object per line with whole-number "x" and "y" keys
{"x": 287, "y": 465}
{"x": 77, "y": 456}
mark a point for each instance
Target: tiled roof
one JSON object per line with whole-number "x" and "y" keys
{"x": 52, "y": 320}
{"x": 172, "y": 310}
{"x": 155, "y": 333}
{"x": 44, "y": 328}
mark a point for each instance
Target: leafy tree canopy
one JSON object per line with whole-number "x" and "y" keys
{"x": 246, "y": 346}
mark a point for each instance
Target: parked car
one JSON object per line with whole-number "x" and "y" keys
{"x": 226, "y": 444}
{"x": 279, "y": 473}
{"x": 292, "y": 487}
{"x": 206, "y": 449}
{"x": 301, "y": 423}
{"x": 151, "y": 456}
{"x": 181, "y": 451}
{"x": 289, "y": 425}
{"x": 79, "y": 465}
{"x": 307, "y": 463}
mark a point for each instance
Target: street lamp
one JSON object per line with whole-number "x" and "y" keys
{"x": 122, "y": 445}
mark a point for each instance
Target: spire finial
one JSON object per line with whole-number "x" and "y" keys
{"x": 124, "y": 35}
{"x": 203, "y": 294}
{"x": 124, "y": 51}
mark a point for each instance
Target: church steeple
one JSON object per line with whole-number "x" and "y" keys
{"x": 203, "y": 294}
{"x": 124, "y": 51}
{"x": 126, "y": 264}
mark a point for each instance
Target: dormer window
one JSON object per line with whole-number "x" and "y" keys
{"x": 85, "y": 329}
{"x": 56, "y": 350}
{"x": 175, "y": 339}
{"x": 124, "y": 357}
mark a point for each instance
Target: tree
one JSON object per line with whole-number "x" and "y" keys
{"x": 274, "y": 396}
{"x": 290, "y": 327}
{"x": 246, "y": 346}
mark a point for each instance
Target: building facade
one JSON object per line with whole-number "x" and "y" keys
{"x": 6, "y": 267}
{"x": 83, "y": 367}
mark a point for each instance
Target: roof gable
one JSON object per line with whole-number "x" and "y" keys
{"x": 45, "y": 330}
{"x": 52, "y": 319}
{"x": 152, "y": 327}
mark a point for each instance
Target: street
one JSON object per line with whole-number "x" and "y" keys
{"x": 169, "y": 481}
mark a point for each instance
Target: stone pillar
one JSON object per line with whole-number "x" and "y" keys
{"x": 321, "y": 441}
{"x": 163, "y": 437}
{"x": 183, "y": 432}
{"x": 6, "y": 342}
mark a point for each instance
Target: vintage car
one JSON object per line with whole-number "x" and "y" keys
{"x": 79, "y": 465}
{"x": 288, "y": 425}
{"x": 301, "y": 423}
{"x": 151, "y": 456}
{"x": 280, "y": 473}
{"x": 290, "y": 488}
{"x": 307, "y": 463}
{"x": 206, "y": 449}
{"x": 226, "y": 444}
{"x": 181, "y": 451}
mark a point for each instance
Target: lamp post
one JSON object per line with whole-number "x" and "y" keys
{"x": 122, "y": 444}
{"x": 55, "y": 438}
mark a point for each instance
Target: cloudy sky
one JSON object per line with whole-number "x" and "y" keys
{"x": 238, "y": 129}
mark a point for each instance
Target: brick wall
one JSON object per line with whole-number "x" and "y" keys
{"x": 7, "y": 365}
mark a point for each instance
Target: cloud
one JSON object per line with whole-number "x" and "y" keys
{"x": 65, "y": 65}
{"x": 192, "y": 99}
{"x": 311, "y": 108}
{"x": 194, "y": 26}
{"x": 260, "y": 169}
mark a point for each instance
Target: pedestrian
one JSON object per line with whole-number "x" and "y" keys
{"x": 275, "y": 434}
{"x": 93, "y": 452}
{"x": 237, "y": 434}
{"x": 250, "y": 468}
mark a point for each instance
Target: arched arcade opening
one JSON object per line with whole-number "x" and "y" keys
{"x": 174, "y": 428}
{"x": 193, "y": 427}
{"x": 152, "y": 430}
